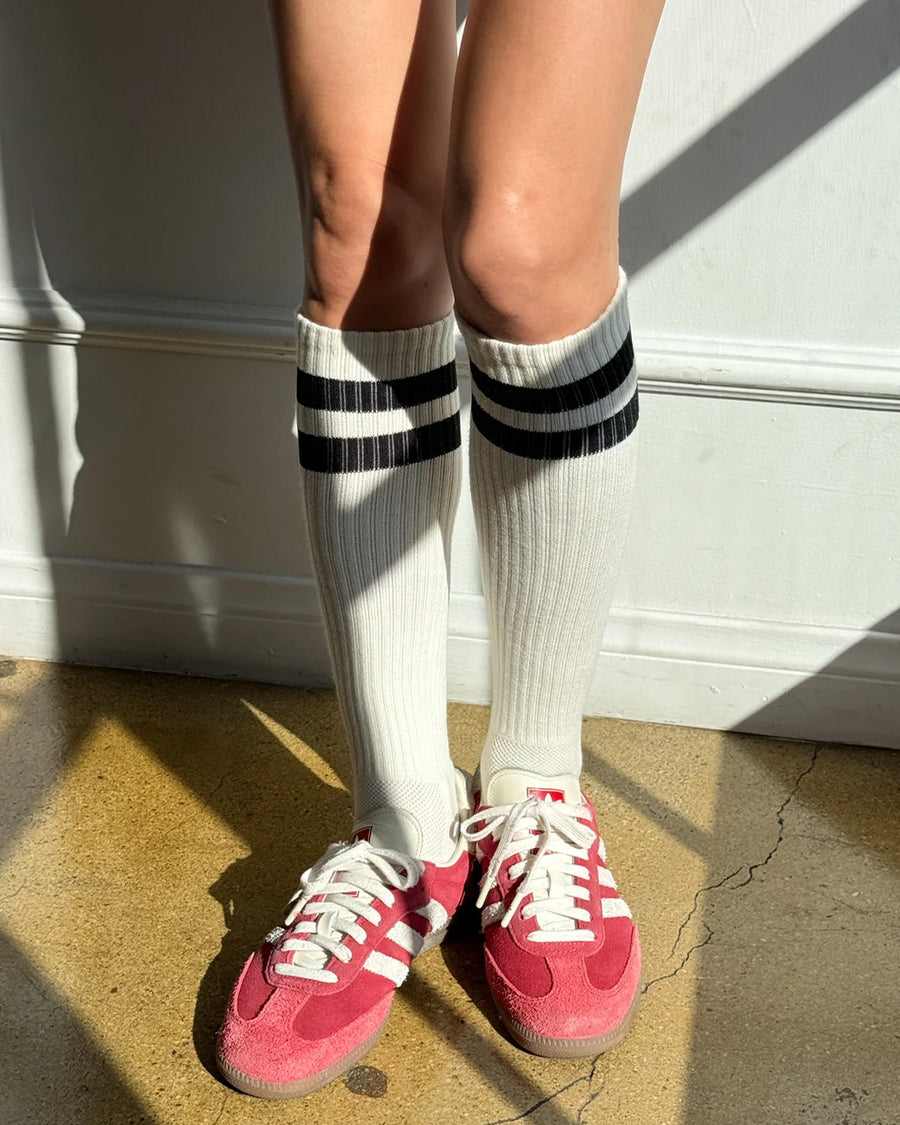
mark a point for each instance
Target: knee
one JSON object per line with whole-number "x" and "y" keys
{"x": 372, "y": 245}
{"x": 524, "y": 275}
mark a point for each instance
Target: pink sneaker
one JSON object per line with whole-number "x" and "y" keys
{"x": 313, "y": 999}
{"x": 562, "y": 954}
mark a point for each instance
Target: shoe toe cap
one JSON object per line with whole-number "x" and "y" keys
{"x": 573, "y": 1007}
{"x": 265, "y": 1037}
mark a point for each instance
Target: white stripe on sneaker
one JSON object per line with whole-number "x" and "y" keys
{"x": 407, "y": 938}
{"x": 434, "y": 913}
{"x": 386, "y": 966}
{"x": 606, "y": 877}
{"x": 614, "y": 908}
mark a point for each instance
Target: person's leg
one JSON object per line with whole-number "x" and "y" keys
{"x": 544, "y": 100}
{"x": 367, "y": 91}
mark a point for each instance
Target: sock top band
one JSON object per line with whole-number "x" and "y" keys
{"x": 558, "y": 362}
{"x": 336, "y": 353}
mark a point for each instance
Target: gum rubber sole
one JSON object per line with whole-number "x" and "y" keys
{"x": 570, "y": 1048}
{"x": 280, "y": 1091}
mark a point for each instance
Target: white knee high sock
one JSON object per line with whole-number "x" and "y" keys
{"x": 378, "y": 420}
{"x": 552, "y": 464}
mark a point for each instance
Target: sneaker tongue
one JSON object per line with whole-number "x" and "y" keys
{"x": 390, "y": 828}
{"x": 508, "y": 787}
{"x": 385, "y": 828}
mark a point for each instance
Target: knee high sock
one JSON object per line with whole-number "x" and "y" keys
{"x": 379, "y": 442}
{"x": 552, "y": 459}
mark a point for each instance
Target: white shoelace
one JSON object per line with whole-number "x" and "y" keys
{"x": 348, "y": 880}
{"x": 550, "y": 841}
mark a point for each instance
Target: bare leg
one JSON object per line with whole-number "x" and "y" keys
{"x": 367, "y": 89}
{"x": 543, "y": 104}
{"x": 544, "y": 101}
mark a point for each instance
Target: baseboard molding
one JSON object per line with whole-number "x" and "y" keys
{"x": 778, "y": 678}
{"x": 860, "y": 378}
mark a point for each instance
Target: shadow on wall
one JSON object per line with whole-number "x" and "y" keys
{"x": 844, "y": 694}
{"x": 96, "y": 84}
{"x": 117, "y": 180}
{"x": 806, "y": 96}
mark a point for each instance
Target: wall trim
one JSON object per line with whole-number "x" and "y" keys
{"x": 860, "y": 378}
{"x": 786, "y": 679}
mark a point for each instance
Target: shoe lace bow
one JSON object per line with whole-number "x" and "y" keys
{"x": 343, "y": 887}
{"x": 551, "y": 844}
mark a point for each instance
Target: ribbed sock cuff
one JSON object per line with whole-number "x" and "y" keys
{"x": 344, "y": 354}
{"x": 567, "y": 398}
{"x": 375, "y": 400}
{"x": 560, "y": 361}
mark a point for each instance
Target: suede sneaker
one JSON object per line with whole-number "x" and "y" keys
{"x": 562, "y": 954}
{"x": 313, "y": 999}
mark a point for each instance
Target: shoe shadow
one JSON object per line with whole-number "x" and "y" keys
{"x": 284, "y": 812}
{"x": 463, "y": 954}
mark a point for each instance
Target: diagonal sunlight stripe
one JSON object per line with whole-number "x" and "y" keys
{"x": 47, "y": 1041}
{"x": 766, "y": 128}
{"x": 312, "y": 760}
{"x": 32, "y": 767}
{"x": 102, "y": 898}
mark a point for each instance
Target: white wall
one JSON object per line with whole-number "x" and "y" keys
{"x": 150, "y": 260}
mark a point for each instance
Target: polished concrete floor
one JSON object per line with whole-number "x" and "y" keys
{"x": 152, "y": 828}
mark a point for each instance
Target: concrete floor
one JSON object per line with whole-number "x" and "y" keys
{"x": 153, "y": 827}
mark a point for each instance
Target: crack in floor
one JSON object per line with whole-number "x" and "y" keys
{"x": 684, "y": 960}
{"x": 696, "y": 903}
{"x": 549, "y": 1098}
{"x": 754, "y": 867}
{"x": 12, "y": 894}
{"x": 222, "y": 1109}
{"x": 751, "y": 869}
{"x": 579, "y": 1119}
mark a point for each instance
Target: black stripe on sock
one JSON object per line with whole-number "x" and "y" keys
{"x": 570, "y": 396}
{"x": 354, "y": 397}
{"x": 560, "y": 444}
{"x": 383, "y": 451}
